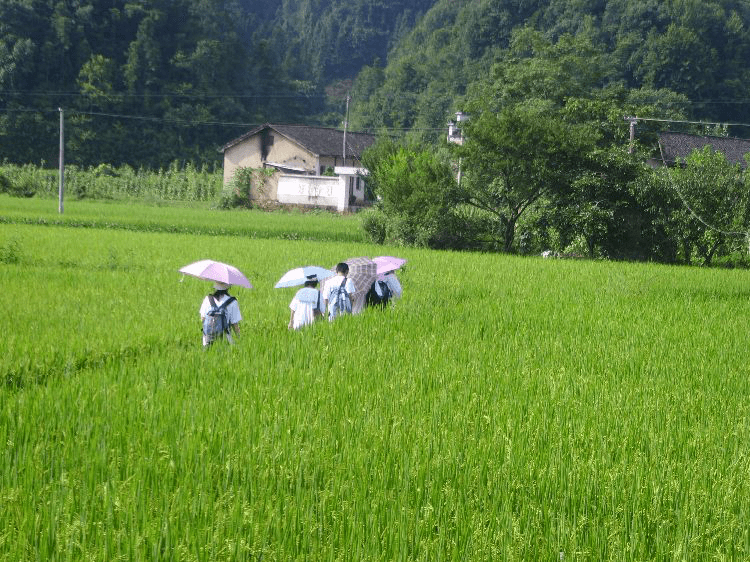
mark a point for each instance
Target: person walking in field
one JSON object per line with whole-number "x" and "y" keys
{"x": 337, "y": 293}
{"x": 306, "y": 305}
{"x": 385, "y": 289}
{"x": 393, "y": 284}
{"x": 220, "y": 316}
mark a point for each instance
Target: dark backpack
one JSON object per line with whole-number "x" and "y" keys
{"x": 343, "y": 303}
{"x": 372, "y": 298}
{"x": 216, "y": 321}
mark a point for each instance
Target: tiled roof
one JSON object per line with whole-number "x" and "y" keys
{"x": 679, "y": 146}
{"x": 322, "y": 141}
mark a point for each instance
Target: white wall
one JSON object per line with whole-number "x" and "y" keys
{"x": 320, "y": 191}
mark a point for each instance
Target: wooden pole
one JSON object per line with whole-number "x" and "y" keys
{"x": 61, "y": 185}
{"x": 346, "y": 125}
{"x": 633, "y": 121}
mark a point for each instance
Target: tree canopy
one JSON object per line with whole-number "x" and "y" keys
{"x": 149, "y": 82}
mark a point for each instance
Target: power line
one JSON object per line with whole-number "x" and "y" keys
{"x": 274, "y": 95}
{"x": 188, "y": 122}
{"x": 690, "y": 208}
{"x": 162, "y": 119}
{"x": 690, "y": 122}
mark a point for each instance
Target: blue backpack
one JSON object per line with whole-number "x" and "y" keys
{"x": 343, "y": 302}
{"x": 216, "y": 321}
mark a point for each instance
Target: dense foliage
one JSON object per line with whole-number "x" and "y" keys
{"x": 174, "y": 183}
{"x": 546, "y": 164}
{"x": 151, "y": 82}
{"x": 146, "y": 83}
{"x": 692, "y": 47}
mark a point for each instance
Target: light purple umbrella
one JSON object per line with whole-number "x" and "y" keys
{"x": 210, "y": 270}
{"x": 388, "y": 263}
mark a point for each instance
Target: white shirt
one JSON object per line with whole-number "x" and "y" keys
{"x": 233, "y": 314}
{"x": 304, "y": 304}
{"x": 330, "y": 290}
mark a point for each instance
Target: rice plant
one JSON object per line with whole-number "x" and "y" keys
{"x": 504, "y": 409}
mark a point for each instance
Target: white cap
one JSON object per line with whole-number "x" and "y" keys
{"x": 219, "y": 286}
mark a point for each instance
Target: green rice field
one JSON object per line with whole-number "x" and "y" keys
{"x": 505, "y": 409}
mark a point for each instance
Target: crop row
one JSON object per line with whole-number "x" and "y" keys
{"x": 321, "y": 226}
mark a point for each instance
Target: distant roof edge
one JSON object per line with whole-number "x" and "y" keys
{"x": 678, "y": 146}
{"x": 324, "y": 141}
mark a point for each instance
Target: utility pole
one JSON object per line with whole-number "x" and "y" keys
{"x": 61, "y": 184}
{"x": 456, "y": 136}
{"x": 346, "y": 125}
{"x": 633, "y": 121}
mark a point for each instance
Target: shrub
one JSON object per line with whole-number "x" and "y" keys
{"x": 374, "y": 223}
{"x": 23, "y": 186}
{"x": 239, "y": 191}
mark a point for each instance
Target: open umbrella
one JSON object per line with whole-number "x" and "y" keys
{"x": 210, "y": 270}
{"x": 388, "y": 263}
{"x": 362, "y": 272}
{"x": 299, "y": 275}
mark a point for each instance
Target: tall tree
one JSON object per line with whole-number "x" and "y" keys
{"x": 513, "y": 158}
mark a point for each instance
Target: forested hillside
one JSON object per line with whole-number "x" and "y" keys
{"x": 149, "y": 82}
{"x": 697, "y": 48}
{"x": 152, "y": 81}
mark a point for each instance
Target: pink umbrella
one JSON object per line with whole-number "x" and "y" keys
{"x": 388, "y": 263}
{"x": 210, "y": 270}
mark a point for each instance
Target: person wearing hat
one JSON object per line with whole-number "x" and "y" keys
{"x": 221, "y": 299}
{"x": 305, "y": 306}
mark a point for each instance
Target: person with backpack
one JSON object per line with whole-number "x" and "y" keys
{"x": 393, "y": 284}
{"x": 220, "y": 316}
{"x": 379, "y": 294}
{"x": 337, "y": 293}
{"x": 306, "y": 305}
{"x": 386, "y": 288}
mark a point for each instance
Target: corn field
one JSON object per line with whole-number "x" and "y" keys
{"x": 175, "y": 183}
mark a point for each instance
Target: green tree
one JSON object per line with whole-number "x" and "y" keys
{"x": 715, "y": 200}
{"x": 513, "y": 158}
{"x": 413, "y": 186}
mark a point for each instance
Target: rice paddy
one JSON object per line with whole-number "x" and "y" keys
{"x": 506, "y": 409}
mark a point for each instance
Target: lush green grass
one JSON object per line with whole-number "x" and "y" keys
{"x": 505, "y": 409}
{"x": 194, "y": 218}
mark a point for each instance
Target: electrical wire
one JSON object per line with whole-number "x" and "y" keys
{"x": 691, "y": 122}
{"x": 188, "y": 122}
{"x": 690, "y": 208}
{"x": 288, "y": 95}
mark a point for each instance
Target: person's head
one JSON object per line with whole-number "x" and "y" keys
{"x": 342, "y": 269}
{"x": 220, "y": 288}
{"x": 312, "y": 281}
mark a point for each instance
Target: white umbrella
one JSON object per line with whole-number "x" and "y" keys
{"x": 210, "y": 270}
{"x": 299, "y": 275}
